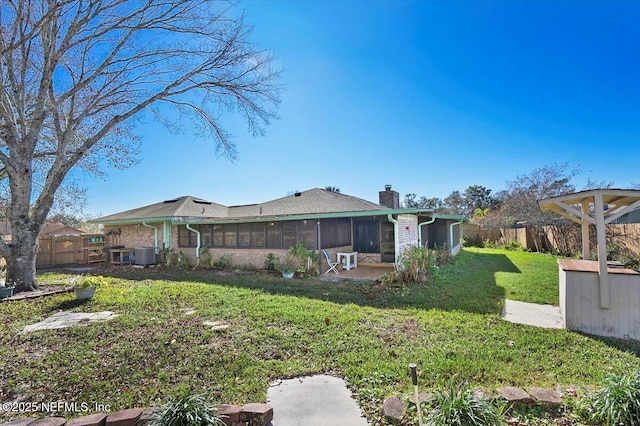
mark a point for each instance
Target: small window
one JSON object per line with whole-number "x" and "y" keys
{"x": 230, "y": 236}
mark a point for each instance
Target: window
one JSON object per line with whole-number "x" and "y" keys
{"x": 218, "y": 235}
{"x": 335, "y": 232}
{"x": 289, "y": 234}
{"x": 274, "y": 235}
{"x": 230, "y": 236}
{"x": 244, "y": 235}
{"x": 366, "y": 235}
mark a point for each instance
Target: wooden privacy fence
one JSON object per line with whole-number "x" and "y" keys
{"x": 69, "y": 249}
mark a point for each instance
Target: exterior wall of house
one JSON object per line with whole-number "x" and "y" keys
{"x": 133, "y": 235}
{"x": 369, "y": 258}
{"x": 407, "y": 231}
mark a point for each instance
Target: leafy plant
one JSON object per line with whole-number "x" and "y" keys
{"x": 270, "y": 262}
{"x": 414, "y": 266}
{"x": 514, "y": 245}
{"x": 90, "y": 281}
{"x": 307, "y": 259}
{"x": 224, "y": 262}
{"x": 458, "y": 405}
{"x": 289, "y": 264}
{"x": 204, "y": 259}
{"x": 616, "y": 403}
{"x": 187, "y": 410}
{"x": 442, "y": 255}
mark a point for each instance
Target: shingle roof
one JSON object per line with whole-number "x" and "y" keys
{"x": 313, "y": 201}
{"x": 307, "y": 202}
{"x": 186, "y": 206}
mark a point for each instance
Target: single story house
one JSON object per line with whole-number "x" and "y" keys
{"x": 319, "y": 218}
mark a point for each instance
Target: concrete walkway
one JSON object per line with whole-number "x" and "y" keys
{"x": 546, "y": 316}
{"x": 319, "y": 400}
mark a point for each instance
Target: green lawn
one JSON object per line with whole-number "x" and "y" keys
{"x": 279, "y": 329}
{"x": 530, "y": 277}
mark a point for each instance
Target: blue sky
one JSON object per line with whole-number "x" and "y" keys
{"x": 429, "y": 96}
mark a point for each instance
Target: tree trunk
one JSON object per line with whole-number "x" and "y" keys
{"x": 21, "y": 260}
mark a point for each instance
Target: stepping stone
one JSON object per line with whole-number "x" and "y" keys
{"x": 320, "y": 400}
{"x": 394, "y": 408}
{"x": 216, "y": 325}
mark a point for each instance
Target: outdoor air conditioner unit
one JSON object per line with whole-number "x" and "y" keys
{"x": 145, "y": 256}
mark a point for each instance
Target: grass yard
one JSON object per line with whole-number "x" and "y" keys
{"x": 364, "y": 332}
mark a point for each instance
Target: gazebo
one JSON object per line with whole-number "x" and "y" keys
{"x": 597, "y": 207}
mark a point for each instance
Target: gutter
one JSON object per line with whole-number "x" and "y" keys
{"x": 451, "y": 234}
{"x": 433, "y": 219}
{"x": 197, "y": 244}
{"x": 395, "y": 236}
{"x": 155, "y": 229}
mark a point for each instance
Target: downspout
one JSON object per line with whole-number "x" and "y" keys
{"x": 433, "y": 219}
{"x": 197, "y": 244}
{"x": 396, "y": 243}
{"x": 155, "y": 229}
{"x": 451, "y": 234}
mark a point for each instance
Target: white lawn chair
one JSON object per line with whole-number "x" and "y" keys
{"x": 332, "y": 264}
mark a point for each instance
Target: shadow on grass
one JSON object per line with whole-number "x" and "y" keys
{"x": 625, "y": 345}
{"x": 68, "y": 305}
{"x": 466, "y": 285}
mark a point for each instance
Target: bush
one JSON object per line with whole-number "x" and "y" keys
{"x": 188, "y": 410}
{"x": 514, "y": 245}
{"x": 461, "y": 406}
{"x": 473, "y": 241}
{"x": 616, "y": 403}
{"x": 414, "y": 265}
{"x": 307, "y": 260}
{"x": 270, "y": 262}
{"x": 224, "y": 262}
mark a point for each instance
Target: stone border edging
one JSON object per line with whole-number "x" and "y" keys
{"x": 253, "y": 413}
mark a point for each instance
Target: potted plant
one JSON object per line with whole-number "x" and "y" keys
{"x": 85, "y": 287}
{"x": 6, "y": 288}
{"x": 288, "y": 266}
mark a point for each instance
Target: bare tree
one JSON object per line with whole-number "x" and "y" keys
{"x": 76, "y": 76}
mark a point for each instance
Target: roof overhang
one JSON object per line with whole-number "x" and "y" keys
{"x": 279, "y": 218}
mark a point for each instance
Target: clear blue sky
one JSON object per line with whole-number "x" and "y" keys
{"x": 429, "y": 96}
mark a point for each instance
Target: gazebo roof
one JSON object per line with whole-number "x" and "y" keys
{"x": 619, "y": 202}
{"x": 578, "y": 208}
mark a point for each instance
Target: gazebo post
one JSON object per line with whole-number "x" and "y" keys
{"x": 602, "y": 251}
{"x": 586, "y": 252}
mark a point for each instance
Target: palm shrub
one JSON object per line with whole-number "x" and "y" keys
{"x": 187, "y": 410}
{"x": 616, "y": 403}
{"x": 458, "y": 405}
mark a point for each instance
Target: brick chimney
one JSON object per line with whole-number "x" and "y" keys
{"x": 389, "y": 198}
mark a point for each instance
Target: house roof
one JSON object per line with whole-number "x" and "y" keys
{"x": 52, "y": 229}
{"x": 313, "y": 203}
{"x": 185, "y": 207}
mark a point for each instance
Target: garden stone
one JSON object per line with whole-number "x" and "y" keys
{"x": 514, "y": 395}
{"x": 19, "y": 422}
{"x": 49, "y": 421}
{"x": 547, "y": 397}
{"x": 394, "y": 408}
{"x": 125, "y": 417}
{"x": 257, "y": 414}
{"x": 90, "y": 420}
